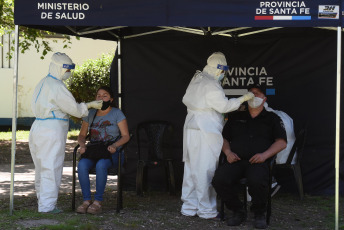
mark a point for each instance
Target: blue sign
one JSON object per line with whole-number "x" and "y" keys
{"x": 191, "y": 13}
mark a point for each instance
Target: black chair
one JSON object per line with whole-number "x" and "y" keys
{"x": 111, "y": 172}
{"x": 243, "y": 183}
{"x": 154, "y": 141}
{"x": 297, "y": 149}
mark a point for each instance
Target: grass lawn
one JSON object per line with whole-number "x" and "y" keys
{"x": 158, "y": 210}
{"x": 155, "y": 210}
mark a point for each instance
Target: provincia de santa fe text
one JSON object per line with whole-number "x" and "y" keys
{"x": 241, "y": 77}
{"x": 294, "y": 10}
{"x": 283, "y": 7}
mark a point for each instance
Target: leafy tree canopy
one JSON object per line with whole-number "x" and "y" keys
{"x": 28, "y": 37}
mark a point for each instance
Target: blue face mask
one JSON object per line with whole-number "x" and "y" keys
{"x": 222, "y": 75}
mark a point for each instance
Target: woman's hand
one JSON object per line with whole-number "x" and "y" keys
{"x": 112, "y": 148}
{"x": 82, "y": 150}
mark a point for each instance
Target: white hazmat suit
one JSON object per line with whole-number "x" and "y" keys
{"x": 202, "y": 143}
{"x": 51, "y": 104}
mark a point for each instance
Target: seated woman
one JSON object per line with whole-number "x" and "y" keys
{"x": 105, "y": 125}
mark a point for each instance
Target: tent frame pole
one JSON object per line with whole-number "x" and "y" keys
{"x": 184, "y": 29}
{"x": 339, "y": 48}
{"x": 259, "y": 31}
{"x": 146, "y": 33}
{"x": 221, "y": 32}
{"x": 14, "y": 114}
{"x": 93, "y": 31}
{"x": 119, "y": 48}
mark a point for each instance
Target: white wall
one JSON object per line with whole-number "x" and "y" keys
{"x": 31, "y": 69}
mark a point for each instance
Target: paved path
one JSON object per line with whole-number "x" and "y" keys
{"x": 24, "y": 180}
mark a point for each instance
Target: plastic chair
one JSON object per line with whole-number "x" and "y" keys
{"x": 297, "y": 149}
{"x": 243, "y": 183}
{"x": 111, "y": 172}
{"x": 154, "y": 132}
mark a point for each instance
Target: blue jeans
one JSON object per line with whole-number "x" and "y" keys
{"x": 102, "y": 167}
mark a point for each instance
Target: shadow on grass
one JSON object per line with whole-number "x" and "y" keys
{"x": 158, "y": 210}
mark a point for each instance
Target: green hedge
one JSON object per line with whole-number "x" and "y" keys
{"x": 88, "y": 77}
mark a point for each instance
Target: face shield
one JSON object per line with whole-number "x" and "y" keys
{"x": 59, "y": 65}
{"x": 68, "y": 66}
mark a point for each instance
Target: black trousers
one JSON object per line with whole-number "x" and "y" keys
{"x": 226, "y": 183}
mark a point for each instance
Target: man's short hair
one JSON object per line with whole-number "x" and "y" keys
{"x": 257, "y": 86}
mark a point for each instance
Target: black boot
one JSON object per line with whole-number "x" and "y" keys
{"x": 260, "y": 221}
{"x": 237, "y": 218}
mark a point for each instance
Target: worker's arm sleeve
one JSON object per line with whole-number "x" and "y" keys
{"x": 216, "y": 99}
{"x": 67, "y": 104}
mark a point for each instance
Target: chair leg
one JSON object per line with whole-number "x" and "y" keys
{"x": 245, "y": 198}
{"x": 139, "y": 178}
{"x": 167, "y": 175}
{"x": 222, "y": 210}
{"x": 268, "y": 208}
{"x": 119, "y": 185}
{"x": 119, "y": 193}
{"x": 298, "y": 179}
{"x": 73, "y": 185}
{"x": 171, "y": 180}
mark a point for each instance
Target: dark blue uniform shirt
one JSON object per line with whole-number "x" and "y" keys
{"x": 248, "y": 136}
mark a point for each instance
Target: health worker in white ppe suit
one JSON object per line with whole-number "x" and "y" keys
{"x": 202, "y": 143}
{"x": 52, "y": 104}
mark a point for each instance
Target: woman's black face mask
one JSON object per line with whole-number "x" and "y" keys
{"x": 106, "y": 105}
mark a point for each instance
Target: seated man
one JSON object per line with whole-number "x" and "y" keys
{"x": 251, "y": 138}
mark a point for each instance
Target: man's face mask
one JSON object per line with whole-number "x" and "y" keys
{"x": 106, "y": 105}
{"x": 255, "y": 102}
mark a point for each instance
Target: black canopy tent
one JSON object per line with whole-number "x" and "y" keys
{"x": 155, "y": 87}
{"x": 184, "y": 33}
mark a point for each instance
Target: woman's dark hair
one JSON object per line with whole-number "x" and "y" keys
{"x": 108, "y": 89}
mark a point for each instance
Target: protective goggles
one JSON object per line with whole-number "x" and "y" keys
{"x": 66, "y": 66}
{"x": 223, "y": 67}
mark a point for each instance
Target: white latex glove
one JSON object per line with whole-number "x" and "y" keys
{"x": 246, "y": 97}
{"x": 95, "y": 104}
